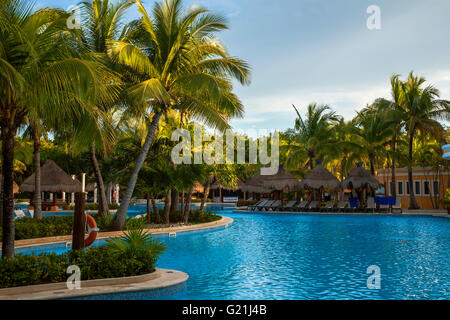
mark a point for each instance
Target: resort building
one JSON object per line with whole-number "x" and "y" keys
{"x": 429, "y": 185}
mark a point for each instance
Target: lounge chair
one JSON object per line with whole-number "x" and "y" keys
{"x": 19, "y": 214}
{"x": 340, "y": 207}
{"x": 289, "y": 206}
{"x": 253, "y": 207}
{"x": 301, "y": 206}
{"x": 313, "y": 206}
{"x": 274, "y": 206}
{"x": 261, "y": 205}
{"x": 266, "y": 205}
{"x": 328, "y": 207}
{"x": 397, "y": 206}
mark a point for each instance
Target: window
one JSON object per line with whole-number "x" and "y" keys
{"x": 426, "y": 188}
{"x": 400, "y": 187}
{"x": 417, "y": 188}
{"x": 436, "y": 187}
{"x": 407, "y": 188}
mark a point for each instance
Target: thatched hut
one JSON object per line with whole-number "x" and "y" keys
{"x": 256, "y": 184}
{"x": 281, "y": 181}
{"x": 53, "y": 180}
{"x": 319, "y": 178}
{"x": 360, "y": 178}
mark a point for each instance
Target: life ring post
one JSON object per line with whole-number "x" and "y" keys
{"x": 79, "y": 221}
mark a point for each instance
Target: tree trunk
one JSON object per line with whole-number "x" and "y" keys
{"x": 205, "y": 195}
{"x": 187, "y": 210}
{"x": 37, "y": 201}
{"x": 393, "y": 186}
{"x": 372, "y": 169}
{"x": 155, "y": 210}
{"x": 182, "y": 205}
{"x": 149, "y": 210}
{"x": 8, "y": 135}
{"x": 118, "y": 222}
{"x": 1, "y": 200}
{"x": 167, "y": 206}
{"x": 175, "y": 201}
{"x": 412, "y": 196}
{"x": 103, "y": 208}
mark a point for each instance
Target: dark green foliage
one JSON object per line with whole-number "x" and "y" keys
{"x": 245, "y": 203}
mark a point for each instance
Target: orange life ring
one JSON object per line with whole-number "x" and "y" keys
{"x": 91, "y": 230}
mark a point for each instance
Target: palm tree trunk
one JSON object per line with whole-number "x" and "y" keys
{"x": 37, "y": 201}
{"x": 205, "y": 195}
{"x": 167, "y": 206}
{"x": 182, "y": 205}
{"x": 118, "y": 222}
{"x": 149, "y": 211}
{"x": 8, "y": 134}
{"x": 372, "y": 169}
{"x": 187, "y": 210}
{"x": 412, "y": 196}
{"x": 175, "y": 201}
{"x": 103, "y": 204}
{"x": 394, "y": 186}
{"x": 155, "y": 209}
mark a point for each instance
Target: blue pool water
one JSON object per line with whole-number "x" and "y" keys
{"x": 300, "y": 256}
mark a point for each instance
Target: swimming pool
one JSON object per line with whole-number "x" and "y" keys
{"x": 301, "y": 256}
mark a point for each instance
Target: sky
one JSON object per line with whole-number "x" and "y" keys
{"x": 304, "y": 51}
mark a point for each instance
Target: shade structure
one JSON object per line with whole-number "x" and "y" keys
{"x": 360, "y": 177}
{"x": 216, "y": 185}
{"x": 53, "y": 179}
{"x": 198, "y": 187}
{"x": 90, "y": 187}
{"x": 15, "y": 185}
{"x": 318, "y": 178}
{"x": 256, "y": 184}
{"x": 281, "y": 181}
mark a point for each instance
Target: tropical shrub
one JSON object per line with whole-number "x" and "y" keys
{"x": 140, "y": 250}
{"x": 446, "y": 200}
{"x": 246, "y": 203}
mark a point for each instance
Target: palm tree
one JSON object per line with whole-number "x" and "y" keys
{"x": 421, "y": 109}
{"x": 313, "y": 132}
{"x": 102, "y": 24}
{"x": 39, "y": 74}
{"x": 181, "y": 64}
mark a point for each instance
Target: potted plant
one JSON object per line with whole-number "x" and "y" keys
{"x": 446, "y": 200}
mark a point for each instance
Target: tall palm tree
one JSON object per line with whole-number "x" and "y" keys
{"x": 421, "y": 109}
{"x": 39, "y": 73}
{"x": 102, "y": 23}
{"x": 313, "y": 132}
{"x": 181, "y": 64}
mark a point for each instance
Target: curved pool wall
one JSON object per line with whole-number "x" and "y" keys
{"x": 301, "y": 256}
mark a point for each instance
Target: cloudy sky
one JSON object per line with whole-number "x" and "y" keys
{"x": 304, "y": 51}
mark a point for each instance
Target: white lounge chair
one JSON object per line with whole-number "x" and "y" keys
{"x": 19, "y": 214}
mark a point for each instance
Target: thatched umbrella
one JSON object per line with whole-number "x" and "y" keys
{"x": 15, "y": 186}
{"x": 53, "y": 179}
{"x": 281, "y": 181}
{"x": 320, "y": 178}
{"x": 360, "y": 178}
{"x": 256, "y": 184}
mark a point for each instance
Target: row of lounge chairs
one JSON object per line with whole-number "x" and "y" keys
{"x": 314, "y": 206}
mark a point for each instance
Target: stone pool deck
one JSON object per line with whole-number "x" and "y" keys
{"x": 156, "y": 283}
{"x": 225, "y": 221}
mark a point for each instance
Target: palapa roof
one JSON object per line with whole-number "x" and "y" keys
{"x": 53, "y": 179}
{"x": 15, "y": 185}
{"x": 216, "y": 185}
{"x": 281, "y": 181}
{"x": 319, "y": 177}
{"x": 256, "y": 184}
{"x": 360, "y": 177}
{"x": 90, "y": 187}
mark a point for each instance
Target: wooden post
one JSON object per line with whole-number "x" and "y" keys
{"x": 79, "y": 221}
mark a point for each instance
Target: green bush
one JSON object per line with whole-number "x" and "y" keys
{"x": 134, "y": 254}
{"x": 91, "y": 206}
